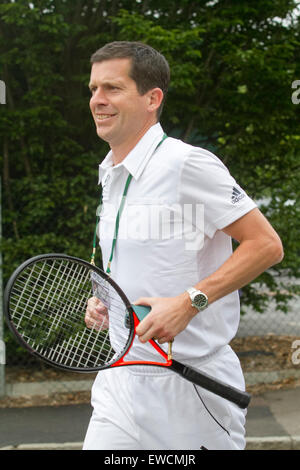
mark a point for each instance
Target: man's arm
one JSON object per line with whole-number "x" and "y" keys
{"x": 259, "y": 248}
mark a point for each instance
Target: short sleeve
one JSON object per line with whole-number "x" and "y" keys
{"x": 206, "y": 181}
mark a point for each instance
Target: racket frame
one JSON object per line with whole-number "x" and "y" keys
{"x": 121, "y": 362}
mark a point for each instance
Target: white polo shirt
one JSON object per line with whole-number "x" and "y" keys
{"x": 179, "y": 200}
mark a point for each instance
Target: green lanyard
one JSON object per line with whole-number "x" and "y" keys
{"x": 117, "y": 223}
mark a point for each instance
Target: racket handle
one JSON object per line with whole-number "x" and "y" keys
{"x": 239, "y": 397}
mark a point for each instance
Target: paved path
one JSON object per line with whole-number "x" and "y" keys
{"x": 273, "y": 422}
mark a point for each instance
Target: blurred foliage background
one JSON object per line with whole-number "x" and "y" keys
{"x": 233, "y": 65}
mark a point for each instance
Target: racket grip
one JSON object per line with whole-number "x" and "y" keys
{"x": 239, "y": 397}
{"x": 141, "y": 312}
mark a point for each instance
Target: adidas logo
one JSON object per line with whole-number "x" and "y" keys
{"x": 236, "y": 195}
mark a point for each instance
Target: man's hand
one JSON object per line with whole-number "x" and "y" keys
{"x": 167, "y": 318}
{"x": 96, "y": 315}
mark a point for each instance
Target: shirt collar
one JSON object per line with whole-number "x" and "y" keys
{"x": 136, "y": 161}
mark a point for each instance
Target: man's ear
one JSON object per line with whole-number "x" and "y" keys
{"x": 155, "y": 97}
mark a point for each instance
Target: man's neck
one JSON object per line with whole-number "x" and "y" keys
{"x": 120, "y": 152}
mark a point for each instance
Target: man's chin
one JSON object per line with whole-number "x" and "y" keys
{"x": 102, "y": 134}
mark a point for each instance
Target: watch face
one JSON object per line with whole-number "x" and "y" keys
{"x": 200, "y": 300}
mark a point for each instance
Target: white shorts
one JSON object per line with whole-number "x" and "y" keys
{"x": 147, "y": 408}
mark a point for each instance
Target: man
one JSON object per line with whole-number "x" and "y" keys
{"x": 174, "y": 253}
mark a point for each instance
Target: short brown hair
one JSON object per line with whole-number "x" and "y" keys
{"x": 149, "y": 68}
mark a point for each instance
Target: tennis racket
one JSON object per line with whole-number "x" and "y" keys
{"x": 45, "y": 302}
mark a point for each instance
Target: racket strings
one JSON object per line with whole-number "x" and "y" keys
{"x": 47, "y": 306}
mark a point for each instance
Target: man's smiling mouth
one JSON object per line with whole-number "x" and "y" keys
{"x": 103, "y": 117}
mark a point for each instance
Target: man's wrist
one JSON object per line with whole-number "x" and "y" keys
{"x": 187, "y": 305}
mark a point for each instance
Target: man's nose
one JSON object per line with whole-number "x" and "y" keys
{"x": 98, "y": 97}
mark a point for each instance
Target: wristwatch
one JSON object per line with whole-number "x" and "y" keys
{"x": 198, "y": 298}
